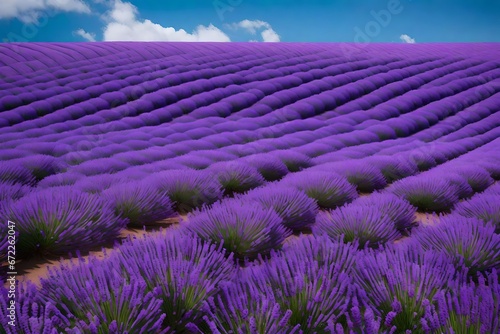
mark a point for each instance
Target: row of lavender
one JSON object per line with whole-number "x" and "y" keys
{"x": 66, "y": 212}
{"x": 173, "y": 282}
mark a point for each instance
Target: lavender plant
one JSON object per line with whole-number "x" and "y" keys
{"x": 14, "y": 173}
{"x": 180, "y": 269}
{"x": 465, "y": 308}
{"x": 295, "y": 208}
{"x": 364, "y": 176}
{"x": 394, "y": 169}
{"x": 399, "y": 210}
{"x": 294, "y": 161}
{"x": 482, "y": 206}
{"x": 236, "y": 177}
{"x": 324, "y": 250}
{"x": 242, "y": 308}
{"x": 29, "y": 314}
{"x": 366, "y": 225}
{"x": 270, "y": 167}
{"x": 188, "y": 189}
{"x": 328, "y": 189}
{"x": 247, "y": 229}
{"x": 102, "y": 300}
{"x": 468, "y": 242}
{"x": 397, "y": 280}
{"x": 426, "y": 193}
{"x": 61, "y": 220}
{"x": 140, "y": 203}
{"x": 316, "y": 296}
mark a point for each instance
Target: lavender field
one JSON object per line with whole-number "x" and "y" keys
{"x": 282, "y": 187}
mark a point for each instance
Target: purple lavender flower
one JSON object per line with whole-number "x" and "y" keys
{"x": 322, "y": 249}
{"x": 294, "y": 161}
{"x": 241, "y": 308}
{"x": 180, "y": 269}
{"x": 97, "y": 183}
{"x": 60, "y": 220}
{"x": 466, "y": 307}
{"x": 398, "y": 209}
{"x": 426, "y": 193}
{"x": 188, "y": 189}
{"x": 316, "y": 295}
{"x": 236, "y": 177}
{"x": 14, "y": 173}
{"x": 464, "y": 190}
{"x": 246, "y": 228}
{"x": 478, "y": 178}
{"x": 365, "y": 224}
{"x": 42, "y": 166}
{"x": 406, "y": 275}
{"x": 140, "y": 203}
{"x": 482, "y": 206}
{"x": 31, "y": 314}
{"x": 328, "y": 189}
{"x": 271, "y": 167}
{"x": 295, "y": 208}
{"x": 467, "y": 241}
{"x": 100, "y": 297}
{"x": 61, "y": 179}
{"x": 364, "y": 176}
{"x": 12, "y": 191}
{"x": 394, "y": 169}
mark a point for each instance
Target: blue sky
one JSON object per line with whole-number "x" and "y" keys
{"x": 399, "y": 21}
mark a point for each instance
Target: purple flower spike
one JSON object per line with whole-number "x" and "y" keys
{"x": 241, "y": 308}
{"x": 324, "y": 250}
{"x": 300, "y": 286}
{"x": 97, "y": 183}
{"x": 429, "y": 193}
{"x": 246, "y": 228}
{"x": 140, "y": 203}
{"x": 32, "y": 314}
{"x": 295, "y": 208}
{"x": 400, "y": 279}
{"x": 68, "y": 218}
{"x": 180, "y": 269}
{"x": 328, "y": 189}
{"x": 365, "y": 224}
{"x": 466, "y": 308}
{"x": 467, "y": 241}
{"x": 101, "y": 298}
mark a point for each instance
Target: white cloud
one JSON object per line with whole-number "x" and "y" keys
{"x": 29, "y": 11}
{"x": 86, "y": 35}
{"x": 268, "y": 34}
{"x": 124, "y": 25}
{"x": 407, "y": 39}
